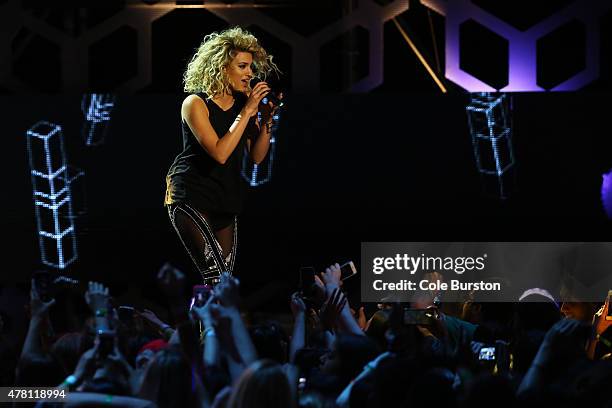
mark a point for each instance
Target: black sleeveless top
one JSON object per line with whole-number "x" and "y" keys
{"x": 199, "y": 180}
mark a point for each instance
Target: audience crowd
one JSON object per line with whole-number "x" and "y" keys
{"x": 209, "y": 353}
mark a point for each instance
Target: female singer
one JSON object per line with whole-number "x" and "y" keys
{"x": 221, "y": 116}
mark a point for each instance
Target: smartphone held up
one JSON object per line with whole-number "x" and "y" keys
{"x": 200, "y": 295}
{"x": 347, "y": 270}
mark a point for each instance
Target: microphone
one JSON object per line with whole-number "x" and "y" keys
{"x": 271, "y": 96}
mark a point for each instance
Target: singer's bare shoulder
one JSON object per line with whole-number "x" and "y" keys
{"x": 193, "y": 105}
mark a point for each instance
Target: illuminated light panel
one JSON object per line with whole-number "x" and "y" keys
{"x": 606, "y": 193}
{"x": 522, "y": 66}
{"x": 490, "y": 127}
{"x": 51, "y": 194}
{"x": 258, "y": 174}
{"x": 97, "y": 109}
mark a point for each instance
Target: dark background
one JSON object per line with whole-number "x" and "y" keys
{"x": 394, "y": 164}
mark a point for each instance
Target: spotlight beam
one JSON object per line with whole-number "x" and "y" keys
{"x": 419, "y": 56}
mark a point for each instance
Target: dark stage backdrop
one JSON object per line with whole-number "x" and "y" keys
{"x": 348, "y": 168}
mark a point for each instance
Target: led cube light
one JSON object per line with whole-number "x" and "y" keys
{"x": 490, "y": 126}
{"x": 258, "y": 174}
{"x": 51, "y": 192}
{"x": 97, "y": 110}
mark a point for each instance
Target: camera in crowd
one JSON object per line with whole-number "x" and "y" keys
{"x": 423, "y": 317}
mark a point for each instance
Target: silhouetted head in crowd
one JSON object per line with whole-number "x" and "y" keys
{"x": 433, "y": 387}
{"x": 405, "y": 382}
{"x": 363, "y": 394}
{"x": 309, "y": 359}
{"x": 39, "y": 371}
{"x": 401, "y": 338}
{"x": 133, "y": 345}
{"x": 577, "y": 301}
{"x": 490, "y": 391}
{"x": 422, "y": 299}
{"x": 168, "y": 380}
{"x": 107, "y": 384}
{"x": 147, "y": 352}
{"x": 534, "y": 316}
{"x": 262, "y": 385}
{"x": 582, "y": 311}
{"x": 388, "y": 386}
{"x": 313, "y": 399}
{"x": 377, "y": 327}
{"x": 349, "y": 354}
{"x": 340, "y": 365}
{"x": 270, "y": 341}
{"x": 68, "y": 349}
{"x": 483, "y": 308}
{"x": 587, "y": 384}
{"x": 111, "y": 377}
{"x": 535, "y": 312}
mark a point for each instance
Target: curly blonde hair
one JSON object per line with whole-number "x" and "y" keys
{"x": 205, "y": 70}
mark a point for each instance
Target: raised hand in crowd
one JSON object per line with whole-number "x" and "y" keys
{"x": 91, "y": 360}
{"x": 215, "y": 319}
{"x": 228, "y": 291}
{"x": 156, "y": 323}
{"x": 84, "y": 370}
{"x": 151, "y": 318}
{"x": 331, "y": 275}
{"x": 332, "y": 309}
{"x": 215, "y": 325}
{"x": 563, "y": 344}
{"x": 118, "y": 364}
{"x": 298, "y": 339}
{"x": 360, "y": 316}
{"x": 97, "y": 298}
{"x": 95, "y": 370}
{"x": 318, "y": 293}
{"x": 225, "y": 321}
{"x": 39, "y": 309}
{"x": 437, "y": 329}
{"x": 345, "y": 322}
{"x": 298, "y": 307}
{"x": 221, "y": 320}
{"x": 566, "y": 338}
{"x": 203, "y": 312}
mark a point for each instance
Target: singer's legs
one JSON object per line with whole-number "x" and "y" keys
{"x": 196, "y": 233}
{"x": 225, "y": 236}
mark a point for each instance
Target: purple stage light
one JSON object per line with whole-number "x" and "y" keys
{"x": 522, "y": 63}
{"x": 606, "y": 193}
